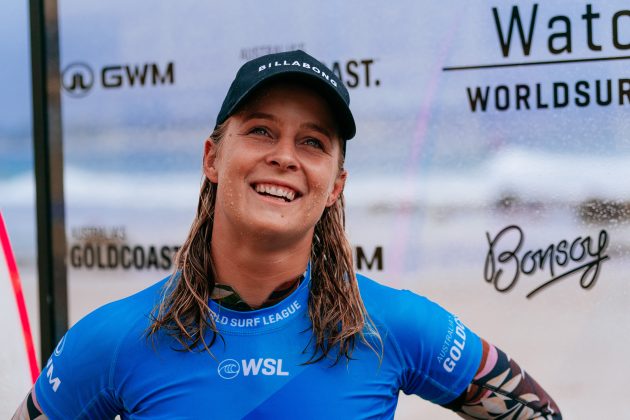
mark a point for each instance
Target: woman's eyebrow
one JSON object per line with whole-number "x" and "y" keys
{"x": 260, "y": 115}
{"x": 271, "y": 117}
{"x": 317, "y": 127}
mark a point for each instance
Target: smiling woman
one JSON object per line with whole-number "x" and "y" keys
{"x": 264, "y": 301}
{"x": 276, "y": 168}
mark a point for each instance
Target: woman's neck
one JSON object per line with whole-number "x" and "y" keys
{"x": 253, "y": 268}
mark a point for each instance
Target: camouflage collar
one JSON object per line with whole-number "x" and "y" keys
{"x": 227, "y": 297}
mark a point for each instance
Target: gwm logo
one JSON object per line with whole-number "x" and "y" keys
{"x": 60, "y": 346}
{"x": 77, "y": 79}
{"x": 230, "y": 368}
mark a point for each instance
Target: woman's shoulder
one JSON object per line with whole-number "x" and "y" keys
{"x": 400, "y": 310}
{"x": 136, "y": 306}
{"x": 110, "y": 323}
{"x": 85, "y": 358}
{"x": 378, "y": 297}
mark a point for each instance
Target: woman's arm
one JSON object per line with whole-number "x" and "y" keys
{"x": 29, "y": 409}
{"x": 501, "y": 387}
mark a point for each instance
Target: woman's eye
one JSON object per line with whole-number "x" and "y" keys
{"x": 259, "y": 130}
{"x": 314, "y": 142}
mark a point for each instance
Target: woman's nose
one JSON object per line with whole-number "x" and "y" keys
{"x": 283, "y": 155}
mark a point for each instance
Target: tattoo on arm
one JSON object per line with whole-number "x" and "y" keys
{"x": 501, "y": 388}
{"x": 29, "y": 409}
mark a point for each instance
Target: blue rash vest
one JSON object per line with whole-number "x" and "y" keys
{"x": 105, "y": 365}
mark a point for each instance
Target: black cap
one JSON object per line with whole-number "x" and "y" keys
{"x": 296, "y": 64}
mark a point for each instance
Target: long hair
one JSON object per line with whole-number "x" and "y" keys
{"x": 336, "y": 309}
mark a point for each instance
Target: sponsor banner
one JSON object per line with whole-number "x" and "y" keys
{"x": 78, "y": 78}
{"x": 107, "y": 248}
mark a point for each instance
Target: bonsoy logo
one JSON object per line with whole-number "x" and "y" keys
{"x": 229, "y": 369}
{"x": 77, "y": 79}
{"x": 507, "y": 260}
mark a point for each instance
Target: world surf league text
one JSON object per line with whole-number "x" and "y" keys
{"x": 506, "y": 259}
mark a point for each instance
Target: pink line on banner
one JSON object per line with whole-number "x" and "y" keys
{"x": 403, "y": 227}
{"x": 19, "y": 299}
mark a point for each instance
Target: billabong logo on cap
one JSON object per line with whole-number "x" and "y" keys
{"x": 290, "y": 64}
{"x": 305, "y": 65}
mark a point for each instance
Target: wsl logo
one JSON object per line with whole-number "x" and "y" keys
{"x": 77, "y": 79}
{"x": 230, "y": 368}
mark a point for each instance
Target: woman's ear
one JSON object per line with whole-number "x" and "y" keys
{"x": 340, "y": 182}
{"x": 209, "y": 158}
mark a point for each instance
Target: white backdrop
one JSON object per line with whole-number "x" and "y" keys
{"x": 15, "y": 375}
{"x": 444, "y": 158}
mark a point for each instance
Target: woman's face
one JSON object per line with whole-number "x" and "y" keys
{"x": 277, "y": 166}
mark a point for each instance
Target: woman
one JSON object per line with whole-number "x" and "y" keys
{"x": 265, "y": 317}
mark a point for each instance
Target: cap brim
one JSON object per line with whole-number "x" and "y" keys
{"x": 341, "y": 111}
